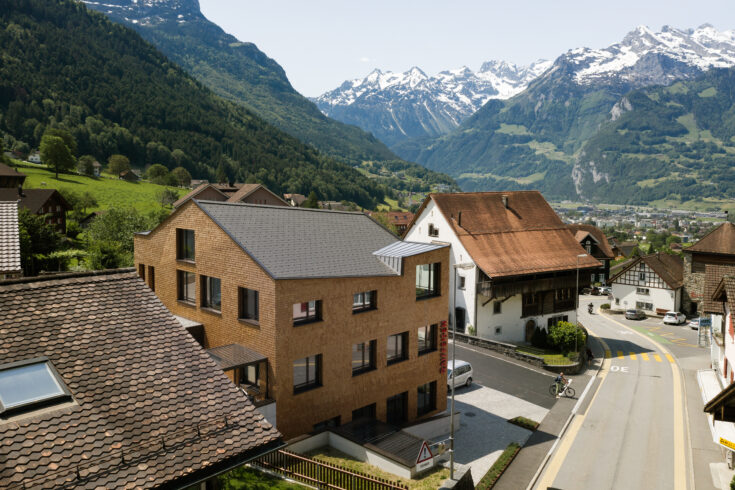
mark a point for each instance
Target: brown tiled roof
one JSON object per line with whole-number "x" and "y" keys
{"x": 721, "y": 240}
{"x": 527, "y": 237}
{"x": 298, "y": 199}
{"x": 580, "y": 231}
{"x": 725, "y": 291}
{"x": 7, "y": 171}
{"x": 670, "y": 268}
{"x": 9, "y": 238}
{"x": 713, "y": 275}
{"x": 32, "y": 199}
{"x": 196, "y": 192}
{"x": 248, "y": 189}
{"x": 150, "y": 407}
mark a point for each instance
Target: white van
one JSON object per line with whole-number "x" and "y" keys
{"x": 463, "y": 377}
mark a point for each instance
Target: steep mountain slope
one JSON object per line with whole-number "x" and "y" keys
{"x": 240, "y": 72}
{"x": 398, "y": 106}
{"x": 535, "y": 138}
{"x": 62, "y": 65}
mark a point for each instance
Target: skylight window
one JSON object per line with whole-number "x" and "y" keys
{"x": 30, "y": 384}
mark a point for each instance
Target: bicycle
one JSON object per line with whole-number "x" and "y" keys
{"x": 567, "y": 391}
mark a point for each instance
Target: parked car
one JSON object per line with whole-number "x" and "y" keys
{"x": 694, "y": 324}
{"x": 585, "y": 291}
{"x": 606, "y": 290}
{"x": 463, "y": 370}
{"x": 596, "y": 291}
{"x": 674, "y": 318}
{"x": 635, "y": 314}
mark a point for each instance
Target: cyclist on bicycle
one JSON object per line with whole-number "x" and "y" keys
{"x": 561, "y": 383}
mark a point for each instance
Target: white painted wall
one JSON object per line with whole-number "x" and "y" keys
{"x": 729, "y": 346}
{"x": 465, "y": 298}
{"x": 660, "y": 298}
{"x": 512, "y": 326}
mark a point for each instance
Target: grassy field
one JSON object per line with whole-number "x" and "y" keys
{"x": 107, "y": 190}
{"x": 431, "y": 480}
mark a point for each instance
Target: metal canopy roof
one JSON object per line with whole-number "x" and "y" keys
{"x": 234, "y": 355}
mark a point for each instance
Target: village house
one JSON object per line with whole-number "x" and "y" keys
{"x": 96, "y": 168}
{"x": 322, "y": 317}
{"x": 10, "y": 265}
{"x": 514, "y": 264}
{"x": 245, "y": 193}
{"x": 652, "y": 283}
{"x": 34, "y": 157}
{"x": 129, "y": 175}
{"x": 716, "y": 248}
{"x": 295, "y": 200}
{"x": 595, "y": 243}
{"x": 47, "y": 202}
{"x": 10, "y": 178}
{"x": 399, "y": 219}
{"x": 104, "y": 388}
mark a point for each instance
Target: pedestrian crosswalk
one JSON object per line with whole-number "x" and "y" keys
{"x": 645, "y": 356}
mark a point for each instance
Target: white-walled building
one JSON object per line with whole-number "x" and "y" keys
{"x": 514, "y": 262}
{"x": 649, "y": 283}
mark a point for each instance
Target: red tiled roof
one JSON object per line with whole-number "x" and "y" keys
{"x": 150, "y": 407}
{"x": 713, "y": 275}
{"x": 721, "y": 240}
{"x": 527, "y": 237}
{"x": 580, "y": 231}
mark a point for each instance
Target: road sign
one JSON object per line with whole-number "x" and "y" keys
{"x": 424, "y": 453}
{"x": 705, "y": 322}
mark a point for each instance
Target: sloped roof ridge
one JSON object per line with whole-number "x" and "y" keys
{"x": 71, "y": 277}
{"x": 724, "y": 228}
{"x": 282, "y": 208}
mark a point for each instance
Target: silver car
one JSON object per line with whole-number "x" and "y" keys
{"x": 463, "y": 374}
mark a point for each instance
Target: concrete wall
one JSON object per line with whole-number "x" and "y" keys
{"x": 276, "y": 337}
{"x": 628, "y": 295}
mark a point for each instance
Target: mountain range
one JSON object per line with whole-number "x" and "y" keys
{"x": 398, "y": 106}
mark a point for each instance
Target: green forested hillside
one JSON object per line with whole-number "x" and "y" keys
{"x": 240, "y": 72}
{"x": 597, "y": 142}
{"x": 62, "y": 65}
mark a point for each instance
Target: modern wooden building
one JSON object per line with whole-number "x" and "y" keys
{"x": 321, "y": 316}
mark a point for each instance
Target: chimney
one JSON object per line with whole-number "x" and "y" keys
{"x": 504, "y": 197}
{"x": 459, "y": 218}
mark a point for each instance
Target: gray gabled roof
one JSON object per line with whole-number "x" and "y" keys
{"x": 300, "y": 243}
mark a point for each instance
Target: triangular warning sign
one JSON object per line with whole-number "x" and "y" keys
{"x": 424, "y": 453}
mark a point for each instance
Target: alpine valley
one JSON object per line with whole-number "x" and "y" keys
{"x": 649, "y": 118}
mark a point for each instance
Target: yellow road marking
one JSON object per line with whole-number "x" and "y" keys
{"x": 657, "y": 357}
{"x": 608, "y": 354}
{"x": 632, "y": 356}
{"x": 645, "y": 356}
{"x": 671, "y": 359}
{"x": 620, "y": 354}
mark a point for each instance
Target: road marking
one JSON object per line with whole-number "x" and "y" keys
{"x": 657, "y": 357}
{"x": 645, "y": 356}
{"x": 619, "y": 369}
{"x": 620, "y": 354}
{"x": 608, "y": 354}
{"x": 671, "y": 359}
{"x": 632, "y": 356}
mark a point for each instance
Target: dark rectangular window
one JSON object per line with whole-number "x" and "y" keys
{"x": 461, "y": 282}
{"x": 397, "y": 349}
{"x": 187, "y": 286}
{"x": 325, "y": 424}
{"x": 249, "y": 375}
{"x": 141, "y": 271}
{"x": 427, "y": 280}
{"x": 152, "y": 277}
{"x": 363, "y": 357}
{"x": 211, "y": 289}
{"x": 497, "y": 307}
{"x": 364, "y": 301}
{"x": 306, "y": 312}
{"x": 366, "y": 412}
{"x": 249, "y": 308}
{"x": 396, "y": 409}
{"x": 426, "y": 401}
{"x": 427, "y": 338}
{"x": 554, "y": 320}
{"x": 433, "y": 231}
{"x": 184, "y": 244}
{"x": 307, "y": 373}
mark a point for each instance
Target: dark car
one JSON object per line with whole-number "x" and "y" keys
{"x": 585, "y": 291}
{"x": 635, "y": 314}
{"x": 596, "y": 291}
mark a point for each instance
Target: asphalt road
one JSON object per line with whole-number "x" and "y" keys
{"x": 631, "y": 435}
{"x": 517, "y": 379}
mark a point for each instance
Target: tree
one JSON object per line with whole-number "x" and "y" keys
{"x": 37, "y": 239}
{"x": 312, "y": 201}
{"x": 118, "y": 164}
{"x": 65, "y": 135}
{"x": 566, "y": 337}
{"x": 85, "y": 165}
{"x": 183, "y": 177}
{"x": 110, "y": 237}
{"x": 221, "y": 175}
{"x": 382, "y": 218}
{"x": 56, "y": 154}
{"x": 167, "y": 197}
{"x": 156, "y": 171}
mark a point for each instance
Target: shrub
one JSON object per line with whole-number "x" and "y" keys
{"x": 497, "y": 469}
{"x": 565, "y": 336}
{"x": 605, "y": 306}
{"x": 539, "y": 338}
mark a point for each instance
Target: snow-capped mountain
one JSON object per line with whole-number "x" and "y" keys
{"x": 148, "y": 12}
{"x": 645, "y": 57}
{"x": 395, "y": 106}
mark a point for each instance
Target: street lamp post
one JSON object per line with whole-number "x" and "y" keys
{"x": 576, "y": 301}
{"x": 466, "y": 265}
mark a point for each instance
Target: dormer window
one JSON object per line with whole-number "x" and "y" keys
{"x": 29, "y": 385}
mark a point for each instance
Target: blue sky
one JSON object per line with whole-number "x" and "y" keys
{"x": 321, "y": 43}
